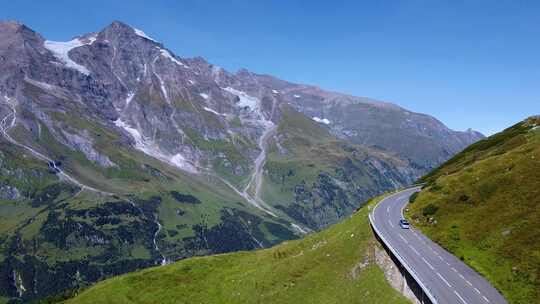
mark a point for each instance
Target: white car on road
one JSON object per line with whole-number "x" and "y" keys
{"x": 404, "y": 224}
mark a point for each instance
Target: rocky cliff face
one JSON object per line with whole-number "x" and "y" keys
{"x": 116, "y": 154}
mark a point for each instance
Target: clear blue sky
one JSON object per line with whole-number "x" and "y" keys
{"x": 469, "y": 63}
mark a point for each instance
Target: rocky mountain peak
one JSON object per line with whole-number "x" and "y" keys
{"x": 121, "y": 32}
{"x": 11, "y": 26}
{"x": 473, "y": 134}
{"x": 14, "y": 32}
{"x": 243, "y": 72}
{"x": 118, "y": 28}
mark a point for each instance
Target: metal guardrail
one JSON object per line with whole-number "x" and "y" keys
{"x": 409, "y": 269}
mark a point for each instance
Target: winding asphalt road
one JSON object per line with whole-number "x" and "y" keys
{"x": 446, "y": 278}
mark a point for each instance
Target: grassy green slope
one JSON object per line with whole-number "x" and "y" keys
{"x": 484, "y": 206}
{"x": 333, "y": 266}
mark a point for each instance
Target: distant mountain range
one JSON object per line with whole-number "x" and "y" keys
{"x": 116, "y": 155}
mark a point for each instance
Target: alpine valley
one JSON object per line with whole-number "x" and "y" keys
{"x": 116, "y": 155}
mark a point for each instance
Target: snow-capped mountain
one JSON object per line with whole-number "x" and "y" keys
{"x": 117, "y": 154}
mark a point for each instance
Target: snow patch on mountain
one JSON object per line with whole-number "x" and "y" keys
{"x": 168, "y": 55}
{"x": 255, "y": 114}
{"x": 296, "y": 96}
{"x": 153, "y": 150}
{"x": 179, "y": 161}
{"x": 61, "y": 50}
{"x": 132, "y": 131}
{"x": 163, "y": 88}
{"x": 321, "y": 120}
{"x": 275, "y": 92}
{"x": 143, "y": 34}
{"x": 245, "y": 99}
{"x": 129, "y": 98}
{"x": 299, "y": 229}
{"x": 212, "y": 111}
{"x": 203, "y": 95}
{"x": 92, "y": 39}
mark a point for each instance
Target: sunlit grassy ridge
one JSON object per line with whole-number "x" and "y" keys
{"x": 483, "y": 205}
{"x": 333, "y": 266}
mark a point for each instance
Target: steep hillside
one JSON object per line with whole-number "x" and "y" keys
{"x": 333, "y": 266}
{"x": 116, "y": 154}
{"x": 483, "y": 205}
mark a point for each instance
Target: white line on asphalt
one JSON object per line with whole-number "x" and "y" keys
{"x": 389, "y": 222}
{"x": 403, "y": 239}
{"x": 485, "y": 299}
{"x": 478, "y": 291}
{"x": 469, "y": 283}
{"x": 428, "y": 264}
{"x": 447, "y": 263}
{"x": 455, "y": 270}
{"x": 415, "y": 251}
{"x": 388, "y": 209}
{"x": 444, "y": 280}
{"x": 462, "y": 300}
{"x": 440, "y": 257}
